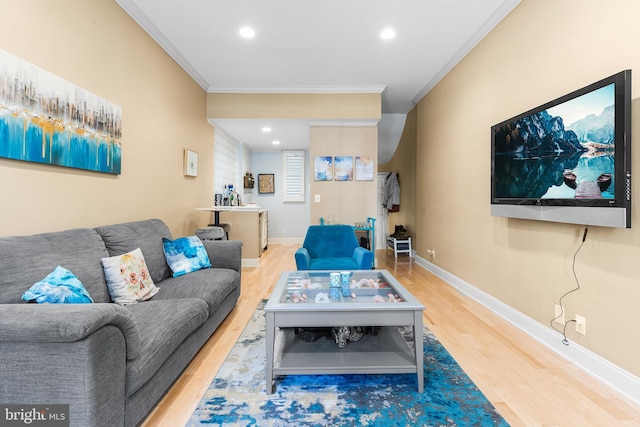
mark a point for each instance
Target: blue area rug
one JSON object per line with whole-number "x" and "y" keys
{"x": 237, "y": 396}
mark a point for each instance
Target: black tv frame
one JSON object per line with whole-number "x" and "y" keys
{"x": 609, "y": 212}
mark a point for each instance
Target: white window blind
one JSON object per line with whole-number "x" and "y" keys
{"x": 293, "y": 176}
{"x": 226, "y": 161}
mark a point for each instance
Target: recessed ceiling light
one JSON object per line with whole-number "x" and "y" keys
{"x": 266, "y": 129}
{"x": 276, "y": 142}
{"x": 247, "y": 33}
{"x": 387, "y": 34}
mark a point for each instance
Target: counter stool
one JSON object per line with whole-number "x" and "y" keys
{"x": 226, "y": 227}
{"x": 211, "y": 233}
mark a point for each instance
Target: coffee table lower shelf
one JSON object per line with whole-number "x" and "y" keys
{"x": 386, "y": 352}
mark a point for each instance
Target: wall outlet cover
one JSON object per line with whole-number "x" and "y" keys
{"x": 558, "y": 316}
{"x": 581, "y": 325}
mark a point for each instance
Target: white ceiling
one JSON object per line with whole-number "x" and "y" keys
{"x": 312, "y": 46}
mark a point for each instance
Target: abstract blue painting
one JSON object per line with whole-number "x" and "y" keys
{"x": 323, "y": 168}
{"x": 343, "y": 168}
{"x": 45, "y": 119}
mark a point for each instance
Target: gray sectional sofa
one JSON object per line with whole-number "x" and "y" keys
{"x": 111, "y": 363}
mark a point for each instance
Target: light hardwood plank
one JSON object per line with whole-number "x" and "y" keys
{"x": 527, "y": 383}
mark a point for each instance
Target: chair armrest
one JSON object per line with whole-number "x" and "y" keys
{"x": 303, "y": 260}
{"x": 63, "y": 323}
{"x": 363, "y": 257}
{"x": 224, "y": 253}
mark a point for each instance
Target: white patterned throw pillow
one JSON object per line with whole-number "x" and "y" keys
{"x": 128, "y": 278}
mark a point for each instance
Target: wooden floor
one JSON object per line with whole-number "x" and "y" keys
{"x": 527, "y": 383}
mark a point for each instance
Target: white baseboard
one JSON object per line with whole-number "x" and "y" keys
{"x": 616, "y": 377}
{"x": 250, "y": 262}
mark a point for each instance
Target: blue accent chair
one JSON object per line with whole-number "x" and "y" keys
{"x": 332, "y": 247}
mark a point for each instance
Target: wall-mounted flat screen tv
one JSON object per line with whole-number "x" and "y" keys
{"x": 568, "y": 160}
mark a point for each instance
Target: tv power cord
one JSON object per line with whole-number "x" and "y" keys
{"x": 565, "y": 341}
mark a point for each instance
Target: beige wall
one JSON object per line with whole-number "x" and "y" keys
{"x": 96, "y": 46}
{"x": 316, "y": 106}
{"x": 345, "y": 202}
{"x": 405, "y": 165}
{"x": 542, "y": 50}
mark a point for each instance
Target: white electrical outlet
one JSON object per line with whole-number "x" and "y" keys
{"x": 581, "y": 325}
{"x": 316, "y": 199}
{"x": 559, "y": 314}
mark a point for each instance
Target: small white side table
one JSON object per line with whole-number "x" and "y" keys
{"x": 400, "y": 246}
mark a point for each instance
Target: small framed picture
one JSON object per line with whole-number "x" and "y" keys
{"x": 265, "y": 183}
{"x": 190, "y": 163}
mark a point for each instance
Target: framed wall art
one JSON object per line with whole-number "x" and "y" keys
{"x": 323, "y": 168}
{"x": 51, "y": 121}
{"x": 343, "y": 168}
{"x": 190, "y": 163}
{"x": 364, "y": 168}
{"x": 265, "y": 183}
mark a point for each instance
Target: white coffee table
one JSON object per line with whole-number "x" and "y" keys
{"x": 385, "y": 352}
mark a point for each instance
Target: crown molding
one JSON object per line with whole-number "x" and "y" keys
{"x": 344, "y": 123}
{"x": 498, "y": 15}
{"x": 297, "y": 89}
{"x": 152, "y": 30}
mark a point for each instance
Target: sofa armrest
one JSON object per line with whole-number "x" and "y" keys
{"x": 89, "y": 375}
{"x": 224, "y": 253}
{"x": 303, "y": 259}
{"x": 363, "y": 257}
{"x": 64, "y": 323}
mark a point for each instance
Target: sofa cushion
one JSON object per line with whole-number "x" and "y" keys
{"x": 211, "y": 285}
{"x": 27, "y": 259}
{"x": 128, "y": 278}
{"x": 163, "y": 326}
{"x": 60, "y": 286}
{"x": 185, "y": 255}
{"x": 146, "y": 235}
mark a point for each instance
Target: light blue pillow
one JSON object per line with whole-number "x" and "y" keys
{"x": 185, "y": 255}
{"x": 60, "y": 286}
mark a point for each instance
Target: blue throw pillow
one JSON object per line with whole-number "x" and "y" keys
{"x": 185, "y": 255}
{"x": 60, "y": 286}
